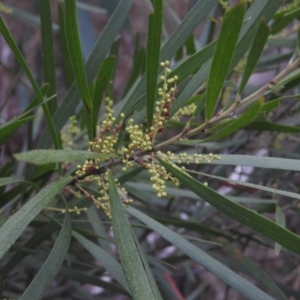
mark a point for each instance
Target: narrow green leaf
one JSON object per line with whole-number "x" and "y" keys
{"x": 153, "y": 56}
{"x": 148, "y": 270}
{"x": 138, "y": 60}
{"x": 269, "y": 126}
{"x": 298, "y": 39}
{"x": 238, "y": 212}
{"x": 259, "y": 162}
{"x": 228, "y": 276}
{"x": 9, "y": 180}
{"x": 243, "y": 120}
{"x": 136, "y": 277}
{"x": 200, "y": 106}
{"x": 108, "y": 262}
{"x": 13, "y": 46}
{"x": 73, "y": 41}
{"x": 285, "y": 19}
{"x": 67, "y": 65}
{"x": 276, "y": 102}
{"x": 34, "y": 103}
{"x": 32, "y": 243}
{"x": 259, "y": 9}
{"x": 245, "y": 264}
{"x": 80, "y": 276}
{"x": 190, "y": 45}
{"x": 280, "y": 220}
{"x": 48, "y": 52}
{"x": 17, "y": 223}
{"x": 194, "y": 62}
{"x": 232, "y": 24}
{"x": 92, "y": 66}
{"x": 28, "y": 18}
{"x": 9, "y": 128}
{"x": 196, "y": 15}
{"x": 258, "y": 44}
{"x": 104, "y": 76}
{"x": 251, "y": 185}
{"x": 129, "y": 175}
{"x": 42, "y": 157}
{"x": 50, "y": 268}
{"x": 270, "y": 106}
{"x": 99, "y": 229}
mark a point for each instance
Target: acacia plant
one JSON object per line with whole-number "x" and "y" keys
{"x": 102, "y": 182}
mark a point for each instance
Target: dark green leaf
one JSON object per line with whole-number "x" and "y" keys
{"x": 153, "y": 56}
{"x": 259, "y": 42}
{"x": 67, "y": 65}
{"x": 231, "y": 278}
{"x": 228, "y": 37}
{"x": 251, "y": 185}
{"x": 268, "y": 126}
{"x": 108, "y": 262}
{"x": 195, "y": 16}
{"x": 104, "y": 76}
{"x": 73, "y": 41}
{"x": 259, "y": 9}
{"x": 194, "y": 62}
{"x": 200, "y": 106}
{"x": 42, "y": 157}
{"x": 190, "y": 45}
{"x": 280, "y": 220}
{"x": 8, "y": 129}
{"x": 259, "y": 162}
{"x": 80, "y": 276}
{"x": 285, "y": 19}
{"x": 9, "y": 180}
{"x": 17, "y": 223}
{"x": 13, "y": 46}
{"x": 50, "y": 268}
{"x": 243, "y": 120}
{"x": 238, "y": 212}
{"x": 138, "y": 61}
{"x": 245, "y": 264}
{"x": 92, "y": 66}
{"x": 48, "y": 52}
{"x": 276, "y": 102}
{"x": 36, "y": 240}
{"x": 134, "y": 271}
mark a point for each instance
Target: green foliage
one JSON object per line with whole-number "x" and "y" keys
{"x": 191, "y": 164}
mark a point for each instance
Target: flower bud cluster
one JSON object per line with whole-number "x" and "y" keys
{"x": 102, "y": 201}
{"x": 184, "y": 158}
{"x": 159, "y": 176}
{"x": 196, "y": 158}
{"x": 105, "y": 142}
{"x": 68, "y": 133}
{"x": 143, "y": 140}
{"x": 184, "y": 111}
{"x": 139, "y": 148}
{"x": 138, "y": 139}
{"x": 161, "y": 173}
{"x": 167, "y": 97}
{"x": 87, "y": 167}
